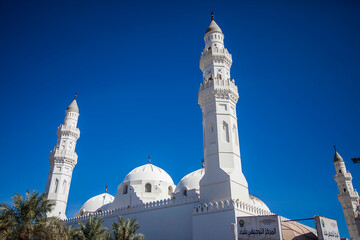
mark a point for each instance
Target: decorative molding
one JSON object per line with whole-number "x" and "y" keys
{"x": 215, "y": 55}
{"x": 235, "y": 204}
{"x": 218, "y": 89}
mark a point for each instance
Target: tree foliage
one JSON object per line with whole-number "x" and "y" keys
{"x": 125, "y": 229}
{"x": 26, "y": 219}
{"x": 92, "y": 230}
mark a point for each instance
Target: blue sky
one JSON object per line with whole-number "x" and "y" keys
{"x": 135, "y": 66}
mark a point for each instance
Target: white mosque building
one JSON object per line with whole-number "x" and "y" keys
{"x": 205, "y": 203}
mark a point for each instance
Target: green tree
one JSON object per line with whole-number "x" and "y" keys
{"x": 125, "y": 229}
{"x": 92, "y": 230}
{"x": 26, "y": 219}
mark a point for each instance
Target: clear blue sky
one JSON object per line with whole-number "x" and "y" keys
{"x": 135, "y": 66}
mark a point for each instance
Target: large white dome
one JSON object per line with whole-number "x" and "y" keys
{"x": 191, "y": 181}
{"x": 95, "y": 203}
{"x": 149, "y": 172}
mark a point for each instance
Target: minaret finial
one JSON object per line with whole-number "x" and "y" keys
{"x": 202, "y": 163}
{"x": 335, "y": 148}
{"x": 75, "y": 95}
{"x": 149, "y": 159}
{"x": 106, "y": 186}
{"x": 212, "y": 15}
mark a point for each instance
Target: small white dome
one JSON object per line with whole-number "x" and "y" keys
{"x": 258, "y": 203}
{"x": 95, "y": 203}
{"x": 191, "y": 181}
{"x": 149, "y": 172}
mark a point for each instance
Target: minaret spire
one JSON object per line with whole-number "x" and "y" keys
{"x": 218, "y": 95}
{"x": 63, "y": 159}
{"x": 348, "y": 196}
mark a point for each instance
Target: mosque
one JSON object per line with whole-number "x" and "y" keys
{"x": 205, "y": 203}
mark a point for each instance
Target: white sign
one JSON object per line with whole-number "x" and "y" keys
{"x": 327, "y": 228}
{"x": 259, "y": 227}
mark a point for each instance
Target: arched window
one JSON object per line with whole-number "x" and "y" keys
{"x": 56, "y": 185}
{"x": 226, "y": 136}
{"x": 344, "y": 189}
{"x": 64, "y": 186}
{"x": 170, "y": 190}
{"x": 236, "y": 139}
{"x": 148, "y": 187}
{"x": 184, "y": 192}
{"x": 125, "y": 189}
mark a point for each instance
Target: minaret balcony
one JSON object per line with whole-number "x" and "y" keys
{"x": 68, "y": 130}
{"x": 219, "y": 89}
{"x": 217, "y": 83}
{"x": 343, "y": 176}
{"x": 215, "y": 51}
{"x": 63, "y": 156}
{"x": 352, "y": 194}
{"x": 215, "y": 55}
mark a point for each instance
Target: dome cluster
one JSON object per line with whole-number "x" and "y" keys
{"x": 149, "y": 183}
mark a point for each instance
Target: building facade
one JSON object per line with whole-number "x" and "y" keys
{"x": 206, "y": 202}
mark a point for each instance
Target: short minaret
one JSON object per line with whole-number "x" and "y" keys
{"x": 218, "y": 96}
{"x": 63, "y": 159}
{"x": 348, "y": 196}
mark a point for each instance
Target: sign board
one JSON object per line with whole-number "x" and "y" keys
{"x": 327, "y": 228}
{"x": 259, "y": 227}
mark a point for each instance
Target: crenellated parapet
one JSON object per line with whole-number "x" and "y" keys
{"x": 217, "y": 206}
{"x": 218, "y": 89}
{"x": 137, "y": 208}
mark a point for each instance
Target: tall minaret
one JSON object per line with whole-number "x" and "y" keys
{"x": 348, "y": 196}
{"x": 218, "y": 96}
{"x": 63, "y": 159}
